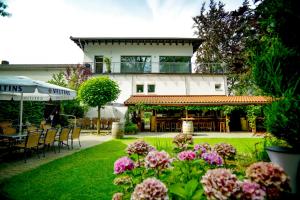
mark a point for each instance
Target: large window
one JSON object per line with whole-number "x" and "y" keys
{"x": 98, "y": 63}
{"x": 135, "y": 64}
{"x": 175, "y": 64}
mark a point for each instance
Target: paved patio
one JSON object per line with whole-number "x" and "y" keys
{"x": 17, "y": 166}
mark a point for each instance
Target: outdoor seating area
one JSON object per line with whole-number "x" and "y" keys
{"x": 91, "y": 123}
{"x": 37, "y": 140}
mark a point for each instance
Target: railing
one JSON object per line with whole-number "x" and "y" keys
{"x": 156, "y": 67}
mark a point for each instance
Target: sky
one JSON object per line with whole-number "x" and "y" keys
{"x": 38, "y": 32}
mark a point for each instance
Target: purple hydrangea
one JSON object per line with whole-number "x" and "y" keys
{"x": 251, "y": 190}
{"x": 123, "y": 164}
{"x": 212, "y": 158}
{"x": 150, "y": 189}
{"x": 202, "y": 148}
{"x": 158, "y": 160}
{"x": 187, "y": 155}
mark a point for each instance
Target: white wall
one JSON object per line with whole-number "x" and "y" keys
{"x": 115, "y": 51}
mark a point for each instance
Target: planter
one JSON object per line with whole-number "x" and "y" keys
{"x": 116, "y": 130}
{"x": 289, "y": 160}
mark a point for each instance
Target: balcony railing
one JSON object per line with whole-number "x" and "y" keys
{"x": 156, "y": 67}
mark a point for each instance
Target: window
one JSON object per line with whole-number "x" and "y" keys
{"x": 98, "y": 63}
{"x": 135, "y": 64}
{"x": 139, "y": 88}
{"x": 151, "y": 88}
{"x": 218, "y": 87}
{"x": 175, "y": 64}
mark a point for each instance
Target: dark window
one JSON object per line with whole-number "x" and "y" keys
{"x": 98, "y": 64}
{"x": 175, "y": 64}
{"x": 139, "y": 88}
{"x": 135, "y": 64}
{"x": 218, "y": 87}
{"x": 151, "y": 88}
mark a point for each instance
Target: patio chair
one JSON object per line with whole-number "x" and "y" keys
{"x": 75, "y": 135}
{"x": 62, "y": 137}
{"x": 31, "y": 143}
{"x": 49, "y": 139}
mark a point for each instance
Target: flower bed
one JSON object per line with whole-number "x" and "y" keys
{"x": 194, "y": 172}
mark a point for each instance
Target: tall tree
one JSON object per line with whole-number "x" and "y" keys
{"x": 3, "y": 7}
{"x": 225, "y": 35}
{"x": 96, "y": 92}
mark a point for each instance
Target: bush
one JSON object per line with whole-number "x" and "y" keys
{"x": 130, "y": 128}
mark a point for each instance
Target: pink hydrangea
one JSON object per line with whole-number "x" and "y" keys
{"x": 139, "y": 147}
{"x": 157, "y": 159}
{"x": 118, "y": 196}
{"x": 182, "y": 141}
{"x": 251, "y": 190}
{"x": 212, "y": 158}
{"x": 187, "y": 155}
{"x": 220, "y": 184}
{"x": 123, "y": 164}
{"x": 271, "y": 176}
{"x": 226, "y": 151}
{"x": 150, "y": 189}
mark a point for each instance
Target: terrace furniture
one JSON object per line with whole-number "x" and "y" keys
{"x": 48, "y": 139}
{"x": 31, "y": 143}
{"x": 222, "y": 127}
{"x": 63, "y": 137}
{"x": 75, "y": 134}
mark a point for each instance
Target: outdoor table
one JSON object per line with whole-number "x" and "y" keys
{"x": 12, "y": 140}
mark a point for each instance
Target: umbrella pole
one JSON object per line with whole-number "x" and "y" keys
{"x": 21, "y": 114}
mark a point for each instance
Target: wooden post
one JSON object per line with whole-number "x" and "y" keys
{"x": 227, "y": 120}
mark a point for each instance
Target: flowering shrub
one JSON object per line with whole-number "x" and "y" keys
{"x": 186, "y": 155}
{"x": 226, "y": 151}
{"x": 250, "y": 190}
{"x": 270, "y": 176}
{"x": 212, "y": 158}
{"x": 122, "y": 180}
{"x": 220, "y": 184}
{"x": 139, "y": 147}
{"x": 182, "y": 141}
{"x": 158, "y": 160}
{"x": 118, "y": 196}
{"x": 123, "y": 164}
{"x": 202, "y": 148}
{"x": 150, "y": 189}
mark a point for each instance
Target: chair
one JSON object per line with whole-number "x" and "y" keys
{"x": 63, "y": 136}
{"x": 49, "y": 139}
{"x": 31, "y": 142}
{"x": 75, "y": 135}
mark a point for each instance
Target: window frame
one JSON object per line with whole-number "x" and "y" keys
{"x": 151, "y": 84}
{"x": 136, "y": 89}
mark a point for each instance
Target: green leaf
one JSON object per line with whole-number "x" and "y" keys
{"x": 178, "y": 190}
{"x": 197, "y": 195}
{"x": 190, "y": 187}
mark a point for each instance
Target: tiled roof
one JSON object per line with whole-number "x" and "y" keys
{"x": 181, "y": 100}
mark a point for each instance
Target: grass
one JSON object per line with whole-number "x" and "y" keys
{"x": 88, "y": 174}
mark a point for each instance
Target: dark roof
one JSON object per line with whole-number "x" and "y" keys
{"x": 201, "y": 100}
{"x": 82, "y": 41}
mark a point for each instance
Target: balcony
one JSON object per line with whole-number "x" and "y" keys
{"x": 156, "y": 68}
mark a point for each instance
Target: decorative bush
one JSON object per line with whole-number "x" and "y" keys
{"x": 123, "y": 180}
{"x": 131, "y": 128}
{"x": 202, "y": 148}
{"x": 150, "y": 189}
{"x": 226, "y": 151}
{"x": 271, "y": 176}
{"x": 220, "y": 184}
{"x": 182, "y": 141}
{"x": 139, "y": 147}
{"x": 123, "y": 164}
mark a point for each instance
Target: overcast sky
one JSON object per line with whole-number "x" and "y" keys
{"x": 38, "y": 31}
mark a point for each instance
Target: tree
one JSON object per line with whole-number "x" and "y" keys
{"x": 58, "y": 79}
{"x": 98, "y": 91}
{"x": 3, "y": 7}
{"x": 275, "y": 59}
{"x": 77, "y": 75}
{"x": 225, "y": 36}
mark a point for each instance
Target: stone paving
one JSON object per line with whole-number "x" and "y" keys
{"x": 14, "y": 167}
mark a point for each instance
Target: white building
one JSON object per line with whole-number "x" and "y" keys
{"x": 151, "y": 66}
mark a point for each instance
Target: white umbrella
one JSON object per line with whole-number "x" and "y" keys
{"x": 22, "y": 88}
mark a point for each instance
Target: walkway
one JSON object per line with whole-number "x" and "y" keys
{"x": 11, "y": 168}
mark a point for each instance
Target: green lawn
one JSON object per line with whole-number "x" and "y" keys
{"x": 88, "y": 174}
